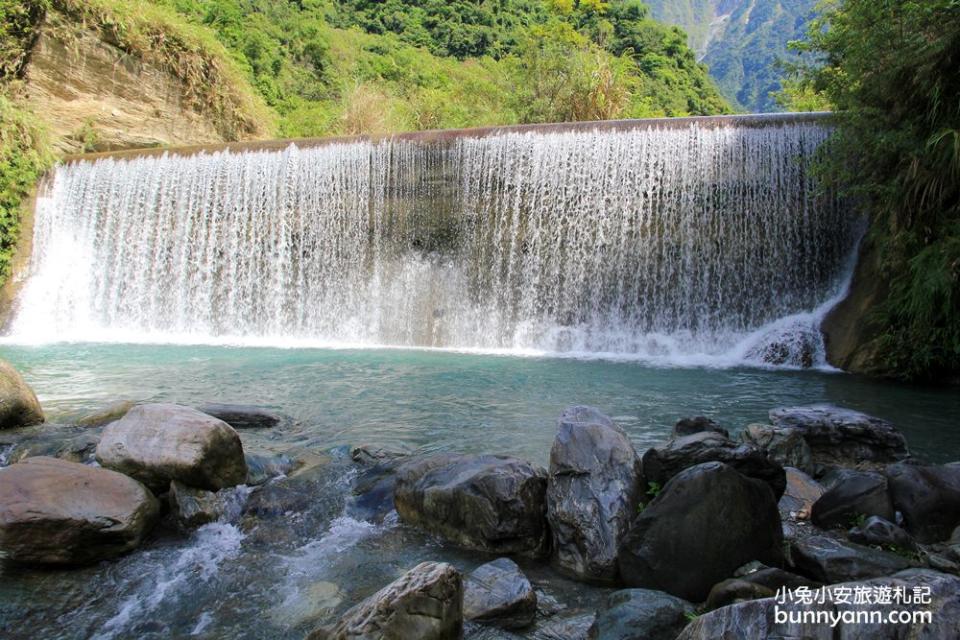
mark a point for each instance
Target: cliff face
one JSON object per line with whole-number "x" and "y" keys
{"x": 95, "y": 97}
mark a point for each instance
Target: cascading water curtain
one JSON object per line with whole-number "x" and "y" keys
{"x": 646, "y": 241}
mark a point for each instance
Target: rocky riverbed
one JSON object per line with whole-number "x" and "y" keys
{"x": 692, "y": 538}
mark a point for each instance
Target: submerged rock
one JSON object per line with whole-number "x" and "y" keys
{"x": 592, "y": 493}
{"x": 107, "y": 415}
{"x": 424, "y": 603}
{"x": 928, "y": 497}
{"x": 844, "y": 437}
{"x": 65, "y": 442}
{"x": 698, "y": 424}
{"x": 58, "y": 512}
{"x": 641, "y": 614}
{"x": 19, "y": 406}
{"x": 498, "y": 593}
{"x": 707, "y": 521}
{"x": 858, "y": 494}
{"x": 662, "y": 463}
{"x": 261, "y": 468}
{"x": 157, "y": 443}
{"x": 372, "y": 495}
{"x": 195, "y": 507}
{"x": 829, "y": 560}
{"x": 495, "y": 504}
{"x": 242, "y": 416}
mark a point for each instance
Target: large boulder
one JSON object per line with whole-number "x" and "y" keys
{"x": 641, "y": 614}
{"x": 19, "y": 406}
{"x": 783, "y": 445}
{"x": 591, "y": 493}
{"x": 424, "y": 603}
{"x": 755, "y": 581}
{"x": 928, "y": 497}
{"x": 843, "y": 437}
{"x": 768, "y": 619}
{"x": 242, "y": 416}
{"x": 662, "y": 463}
{"x": 497, "y": 593}
{"x": 58, "y": 512}
{"x": 801, "y": 493}
{"x": 829, "y": 560}
{"x": 495, "y": 504}
{"x": 858, "y": 494}
{"x": 157, "y": 443}
{"x": 707, "y": 521}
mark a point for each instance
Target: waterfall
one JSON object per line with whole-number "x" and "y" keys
{"x": 647, "y": 241}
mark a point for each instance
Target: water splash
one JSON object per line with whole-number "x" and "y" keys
{"x": 663, "y": 243}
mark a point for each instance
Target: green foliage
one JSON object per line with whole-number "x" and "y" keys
{"x": 889, "y": 67}
{"x": 19, "y": 20}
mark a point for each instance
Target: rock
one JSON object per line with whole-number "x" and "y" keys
{"x": 801, "y": 492}
{"x": 690, "y": 426}
{"x": 859, "y": 494}
{"x": 843, "y": 437}
{"x": 107, "y": 415}
{"x": 495, "y": 504}
{"x": 641, "y": 614}
{"x": 157, "y": 443}
{"x": 194, "y": 507}
{"x": 757, "y": 619}
{"x": 58, "y": 512}
{"x": 752, "y": 582}
{"x": 785, "y": 446}
{"x": 372, "y": 496}
{"x": 707, "y": 521}
{"x": 661, "y": 464}
{"x": 281, "y": 497}
{"x": 261, "y": 468}
{"x": 735, "y": 590}
{"x": 373, "y": 454}
{"x": 591, "y": 493}
{"x": 928, "y": 497}
{"x": 498, "y": 593}
{"x": 65, "y": 442}
{"x": 575, "y": 627}
{"x": 19, "y": 406}
{"x": 882, "y": 533}
{"x": 242, "y": 416}
{"x": 424, "y": 603}
{"x": 829, "y": 560}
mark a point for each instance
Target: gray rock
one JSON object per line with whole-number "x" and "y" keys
{"x": 928, "y": 497}
{"x": 783, "y": 445}
{"x": 698, "y": 424}
{"x": 844, "y": 437}
{"x": 58, "y": 512}
{"x": 498, "y": 593}
{"x": 261, "y": 468}
{"x": 425, "y": 603}
{"x": 19, "y": 406}
{"x": 882, "y": 533}
{"x": 759, "y": 582}
{"x": 859, "y": 494}
{"x": 707, "y": 521}
{"x": 756, "y": 620}
{"x": 242, "y": 416}
{"x": 574, "y": 627}
{"x": 829, "y": 560}
{"x": 107, "y": 415}
{"x": 196, "y": 507}
{"x": 641, "y": 614}
{"x": 73, "y": 444}
{"x": 374, "y": 454}
{"x": 801, "y": 493}
{"x": 495, "y": 504}
{"x": 662, "y": 463}
{"x": 591, "y": 493}
{"x": 157, "y": 443}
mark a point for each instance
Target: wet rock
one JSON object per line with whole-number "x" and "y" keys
{"x": 53, "y": 441}
{"x": 928, "y": 497}
{"x": 495, "y": 504}
{"x": 157, "y": 443}
{"x": 19, "y": 406}
{"x": 58, "y": 512}
{"x": 843, "y": 437}
{"x": 755, "y": 581}
{"x": 801, "y": 492}
{"x": 640, "y": 614}
{"x": 372, "y": 496}
{"x": 785, "y": 446}
{"x": 877, "y": 531}
{"x": 698, "y": 424}
{"x": 194, "y": 507}
{"x": 829, "y": 560}
{"x": 424, "y": 603}
{"x": 661, "y": 464}
{"x": 261, "y": 468}
{"x": 859, "y": 494}
{"x": 796, "y": 344}
{"x": 281, "y": 497}
{"x": 591, "y": 493}
{"x": 574, "y": 627}
{"x": 107, "y": 415}
{"x": 242, "y": 416}
{"x": 498, "y": 593}
{"x": 757, "y": 620}
{"x": 707, "y": 521}
{"x": 374, "y": 454}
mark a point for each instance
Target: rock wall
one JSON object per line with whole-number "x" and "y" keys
{"x": 96, "y": 97}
